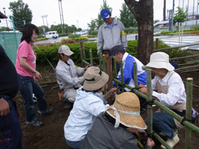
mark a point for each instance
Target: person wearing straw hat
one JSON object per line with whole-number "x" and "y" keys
{"x": 169, "y": 90}
{"x": 88, "y": 105}
{"x": 128, "y": 73}
{"x": 118, "y": 126}
{"x": 68, "y": 76}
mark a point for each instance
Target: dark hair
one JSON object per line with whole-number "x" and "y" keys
{"x": 28, "y": 31}
{"x": 122, "y": 51}
{"x": 94, "y": 91}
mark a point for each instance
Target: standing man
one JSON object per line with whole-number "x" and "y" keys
{"x": 110, "y": 33}
{"x": 10, "y": 129}
{"x": 68, "y": 76}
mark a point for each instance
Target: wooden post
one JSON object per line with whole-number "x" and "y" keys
{"x": 156, "y": 43}
{"x": 109, "y": 71}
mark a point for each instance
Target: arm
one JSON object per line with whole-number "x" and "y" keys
{"x": 28, "y": 67}
{"x": 123, "y": 36}
{"x": 110, "y": 93}
{"x": 65, "y": 77}
{"x": 4, "y": 107}
{"x": 100, "y": 41}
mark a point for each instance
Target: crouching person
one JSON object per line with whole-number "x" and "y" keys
{"x": 118, "y": 127}
{"x": 68, "y": 76}
{"x": 88, "y": 105}
{"x": 169, "y": 90}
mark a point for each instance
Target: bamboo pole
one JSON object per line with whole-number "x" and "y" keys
{"x": 86, "y": 62}
{"x": 161, "y": 141}
{"x": 187, "y": 67}
{"x": 100, "y": 61}
{"x": 91, "y": 57}
{"x": 115, "y": 71}
{"x": 135, "y": 74}
{"x": 149, "y": 106}
{"x": 122, "y": 77}
{"x": 189, "y": 90}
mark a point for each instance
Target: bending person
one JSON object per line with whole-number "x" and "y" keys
{"x": 88, "y": 105}
{"x": 118, "y": 127}
{"x": 168, "y": 88}
{"x": 68, "y": 76}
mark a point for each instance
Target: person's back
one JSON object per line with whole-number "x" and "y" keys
{"x": 103, "y": 135}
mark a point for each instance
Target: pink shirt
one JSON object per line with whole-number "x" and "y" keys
{"x": 25, "y": 50}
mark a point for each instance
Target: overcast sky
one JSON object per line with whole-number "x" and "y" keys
{"x": 75, "y": 12}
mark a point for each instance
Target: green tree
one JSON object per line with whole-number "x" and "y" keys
{"x": 155, "y": 21}
{"x": 20, "y": 12}
{"x": 179, "y": 16}
{"x": 126, "y": 17}
{"x": 92, "y": 25}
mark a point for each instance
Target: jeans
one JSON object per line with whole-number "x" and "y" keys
{"x": 75, "y": 144}
{"x": 163, "y": 122}
{"x": 27, "y": 86}
{"x": 10, "y": 129}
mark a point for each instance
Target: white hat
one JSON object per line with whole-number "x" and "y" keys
{"x": 65, "y": 50}
{"x": 160, "y": 60}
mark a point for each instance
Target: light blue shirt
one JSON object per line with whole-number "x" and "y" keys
{"x": 86, "y": 108}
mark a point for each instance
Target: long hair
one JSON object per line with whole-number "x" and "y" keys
{"x": 28, "y": 31}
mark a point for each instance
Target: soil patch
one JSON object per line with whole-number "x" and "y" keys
{"x": 51, "y": 135}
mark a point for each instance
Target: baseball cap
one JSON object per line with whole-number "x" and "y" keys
{"x": 104, "y": 13}
{"x": 65, "y": 50}
{"x": 116, "y": 49}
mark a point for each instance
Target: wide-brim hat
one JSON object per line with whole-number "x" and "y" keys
{"x": 126, "y": 110}
{"x": 94, "y": 79}
{"x": 160, "y": 60}
{"x": 65, "y": 50}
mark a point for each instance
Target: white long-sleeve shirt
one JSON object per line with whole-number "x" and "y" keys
{"x": 176, "y": 90}
{"x": 67, "y": 75}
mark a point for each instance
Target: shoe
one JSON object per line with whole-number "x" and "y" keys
{"x": 162, "y": 134}
{"x": 34, "y": 98}
{"x": 48, "y": 111}
{"x": 171, "y": 142}
{"x": 37, "y": 124}
{"x": 67, "y": 104}
{"x": 60, "y": 94}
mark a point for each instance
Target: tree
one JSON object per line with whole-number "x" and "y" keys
{"x": 20, "y": 12}
{"x": 179, "y": 16}
{"x": 143, "y": 12}
{"x": 155, "y": 21}
{"x": 126, "y": 17}
{"x": 92, "y": 25}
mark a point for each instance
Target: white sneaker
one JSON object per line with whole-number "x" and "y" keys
{"x": 171, "y": 142}
{"x": 34, "y": 98}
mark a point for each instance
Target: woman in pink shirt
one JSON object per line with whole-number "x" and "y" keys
{"x": 28, "y": 76}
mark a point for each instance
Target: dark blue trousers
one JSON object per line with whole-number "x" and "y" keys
{"x": 10, "y": 129}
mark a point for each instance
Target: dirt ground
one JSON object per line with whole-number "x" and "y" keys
{"x": 51, "y": 135}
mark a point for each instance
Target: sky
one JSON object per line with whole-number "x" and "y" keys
{"x": 75, "y": 12}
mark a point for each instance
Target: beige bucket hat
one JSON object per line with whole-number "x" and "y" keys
{"x": 94, "y": 79}
{"x": 126, "y": 110}
{"x": 160, "y": 60}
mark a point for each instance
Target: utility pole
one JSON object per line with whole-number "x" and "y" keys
{"x": 61, "y": 15}
{"x": 5, "y": 15}
{"x": 44, "y": 16}
{"x": 164, "y": 11}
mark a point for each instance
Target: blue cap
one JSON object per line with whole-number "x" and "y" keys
{"x": 104, "y": 13}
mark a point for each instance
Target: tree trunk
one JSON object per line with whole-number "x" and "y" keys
{"x": 143, "y": 12}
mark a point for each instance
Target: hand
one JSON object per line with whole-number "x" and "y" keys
{"x": 141, "y": 86}
{"x": 139, "y": 132}
{"x": 86, "y": 67}
{"x": 110, "y": 93}
{"x": 150, "y": 142}
{"x": 143, "y": 90}
{"x": 4, "y": 107}
{"x": 37, "y": 75}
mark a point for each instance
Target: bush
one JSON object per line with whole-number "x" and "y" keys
{"x": 67, "y": 40}
{"x": 130, "y": 30}
{"x": 195, "y": 27}
{"x": 74, "y": 36}
{"x": 93, "y": 32}
{"x": 64, "y": 34}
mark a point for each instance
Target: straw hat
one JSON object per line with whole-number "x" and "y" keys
{"x": 126, "y": 110}
{"x": 94, "y": 79}
{"x": 160, "y": 60}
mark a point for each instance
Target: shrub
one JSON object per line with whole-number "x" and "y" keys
{"x": 93, "y": 33}
{"x": 74, "y": 36}
{"x": 64, "y": 34}
{"x": 195, "y": 27}
{"x": 67, "y": 40}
